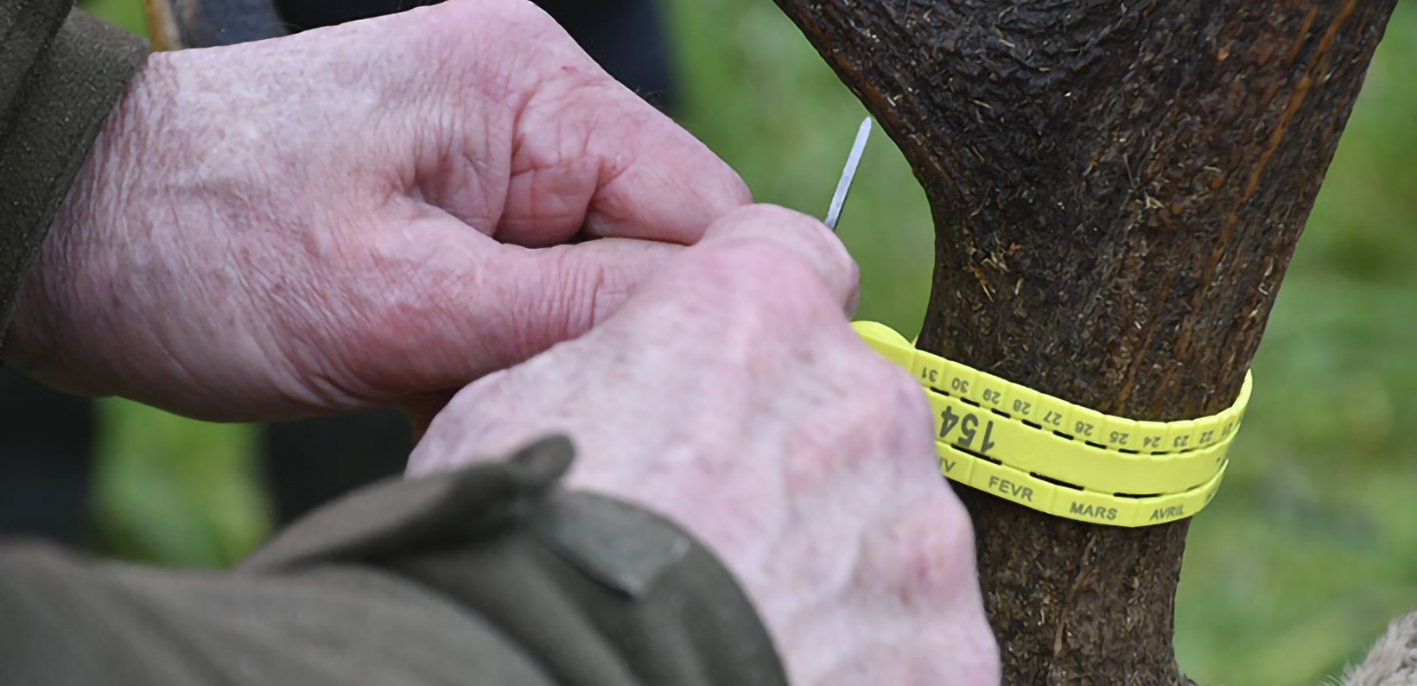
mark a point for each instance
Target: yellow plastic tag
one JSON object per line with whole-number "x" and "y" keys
{"x": 1011, "y": 442}
{"x": 1051, "y": 455}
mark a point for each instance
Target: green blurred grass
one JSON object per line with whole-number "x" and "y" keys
{"x": 1311, "y": 547}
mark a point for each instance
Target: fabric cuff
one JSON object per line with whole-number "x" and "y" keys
{"x": 47, "y": 127}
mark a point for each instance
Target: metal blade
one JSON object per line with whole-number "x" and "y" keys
{"x": 844, "y": 185}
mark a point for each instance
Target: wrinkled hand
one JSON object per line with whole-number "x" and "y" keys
{"x": 731, "y": 395}
{"x": 346, "y": 217}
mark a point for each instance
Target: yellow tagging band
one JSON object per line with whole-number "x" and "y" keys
{"x": 1071, "y": 503}
{"x": 1061, "y": 458}
{"x": 1011, "y": 442}
{"x": 1074, "y": 421}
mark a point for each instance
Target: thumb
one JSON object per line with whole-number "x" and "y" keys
{"x": 556, "y": 294}
{"x": 545, "y": 296}
{"x": 439, "y": 313}
{"x": 530, "y": 300}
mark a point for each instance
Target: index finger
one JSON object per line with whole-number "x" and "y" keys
{"x": 589, "y": 154}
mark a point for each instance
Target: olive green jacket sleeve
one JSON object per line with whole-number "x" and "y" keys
{"x": 492, "y": 576}
{"x": 61, "y": 72}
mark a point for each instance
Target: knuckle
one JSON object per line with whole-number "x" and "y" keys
{"x": 770, "y": 266}
{"x": 520, "y": 13}
{"x": 775, "y": 216}
{"x": 764, "y": 277}
{"x": 799, "y": 233}
{"x": 518, "y": 47}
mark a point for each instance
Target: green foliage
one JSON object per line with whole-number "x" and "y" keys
{"x": 125, "y": 14}
{"x": 175, "y": 491}
{"x": 1312, "y": 544}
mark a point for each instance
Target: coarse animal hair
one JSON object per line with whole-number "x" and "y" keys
{"x": 1392, "y": 661}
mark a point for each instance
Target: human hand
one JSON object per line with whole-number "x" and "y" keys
{"x": 355, "y": 216}
{"x": 731, "y": 395}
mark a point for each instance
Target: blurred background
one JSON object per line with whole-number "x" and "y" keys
{"x": 1311, "y": 546}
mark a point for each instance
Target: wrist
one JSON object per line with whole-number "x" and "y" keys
{"x": 43, "y": 319}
